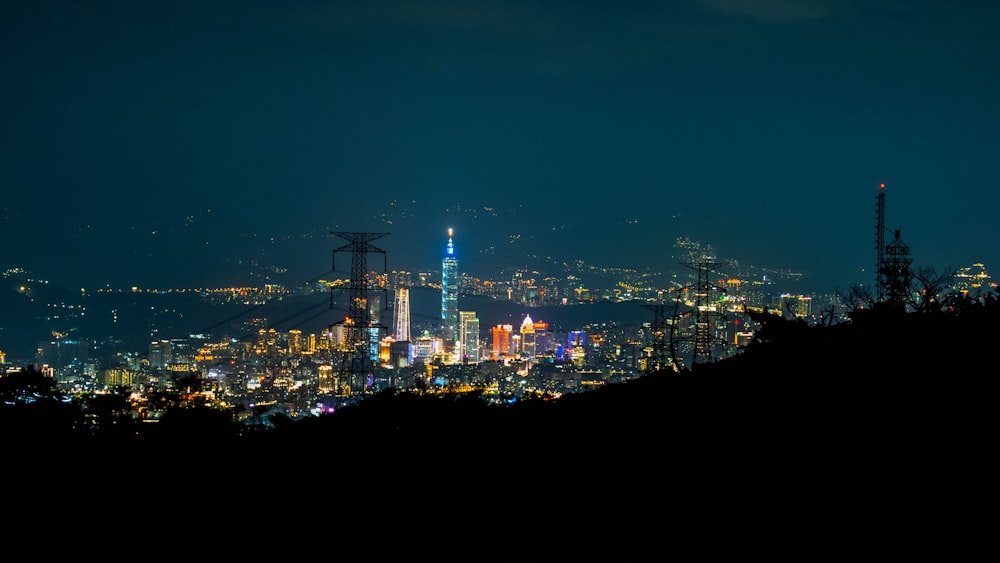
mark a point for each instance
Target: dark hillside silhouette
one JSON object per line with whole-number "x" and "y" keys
{"x": 884, "y": 390}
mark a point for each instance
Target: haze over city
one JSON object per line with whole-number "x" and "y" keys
{"x": 192, "y": 143}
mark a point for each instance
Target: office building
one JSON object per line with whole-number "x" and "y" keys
{"x": 527, "y": 338}
{"x": 449, "y": 295}
{"x": 501, "y": 341}
{"x": 401, "y": 316}
{"x": 469, "y": 336}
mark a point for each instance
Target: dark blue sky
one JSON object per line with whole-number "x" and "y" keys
{"x": 175, "y": 143}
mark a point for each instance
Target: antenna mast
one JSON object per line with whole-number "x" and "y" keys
{"x": 880, "y": 273}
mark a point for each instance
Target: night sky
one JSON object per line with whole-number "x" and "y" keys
{"x": 181, "y": 143}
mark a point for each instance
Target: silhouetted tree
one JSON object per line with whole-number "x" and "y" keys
{"x": 927, "y": 289}
{"x": 107, "y": 413}
{"x": 32, "y": 409}
{"x": 189, "y": 382}
{"x": 29, "y": 386}
{"x": 829, "y": 315}
{"x": 857, "y": 297}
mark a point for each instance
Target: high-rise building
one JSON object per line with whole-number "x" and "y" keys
{"x": 337, "y": 335}
{"x": 327, "y": 378}
{"x": 542, "y": 344}
{"x": 160, "y": 354}
{"x": 527, "y": 338}
{"x": 374, "y": 327}
{"x": 400, "y": 354}
{"x": 449, "y": 294}
{"x": 401, "y": 316}
{"x": 469, "y": 336}
{"x": 294, "y": 341}
{"x": 501, "y": 340}
{"x": 423, "y": 348}
{"x": 577, "y": 341}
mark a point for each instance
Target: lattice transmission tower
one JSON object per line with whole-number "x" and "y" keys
{"x": 706, "y": 311}
{"x": 356, "y": 376}
{"x": 660, "y": 354}
{"x": 893, "y": 262}
{"x": 880, "y": 281}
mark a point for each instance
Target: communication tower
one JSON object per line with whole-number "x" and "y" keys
{"x": 880, "y": 282}
{"x": 898, "y": 276}
{"x": 893, "y": 275}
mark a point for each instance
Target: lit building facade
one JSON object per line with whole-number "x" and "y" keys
{"x": 449, "y": 294}
{"x": 469, "y": 336}
{"x": 160, "y": 354}
{"x": 401, "y": 316}
{"x": 501, "y": 341}
{"x": 327, "y": 378}
{"x": 424, "y": 348}
{"x": 295, "y": 341}
{"x": 527, "y": 338}
{"x": 577, "y": 346}
{"x": 542, "y": 344}
{"x": 972, "y": 281}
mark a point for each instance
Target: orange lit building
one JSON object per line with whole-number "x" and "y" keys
{"x": 501, "y": 340}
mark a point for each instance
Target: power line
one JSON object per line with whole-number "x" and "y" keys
{"x": 258, "y": 306}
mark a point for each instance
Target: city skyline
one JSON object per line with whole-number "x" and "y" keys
{"x": 189, "y": 144}
{"x": 631, "y": 348}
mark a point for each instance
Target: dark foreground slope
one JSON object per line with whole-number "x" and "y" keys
{"x": 869, "y": 438}
{"x": 882, "y": 391}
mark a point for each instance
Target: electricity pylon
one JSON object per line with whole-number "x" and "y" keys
{"x": 357, "y": 368}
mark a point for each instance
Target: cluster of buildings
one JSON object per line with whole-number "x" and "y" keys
{"x": 460, "y": 337}
{"x": 295, "y": 373}
{"x": 454, "y": 354}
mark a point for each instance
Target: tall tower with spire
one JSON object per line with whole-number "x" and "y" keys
{"x": 449, "y": 294}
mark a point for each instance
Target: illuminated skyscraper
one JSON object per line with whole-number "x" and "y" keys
{"x": 501, "y": 340}
{"x": 294, "y": 341}
{"x": 423, "y": 348}
{"x": 449, "y": 294}
{"x": 542, "y": 344}
{"x": 327, "y": 378}
{"x": 577, "y": 341}
{"x": 528, "y": 338}
{"x": 401, "y": 316}
{"x": 374, "y": 312}
{"x": 469, "y": 331}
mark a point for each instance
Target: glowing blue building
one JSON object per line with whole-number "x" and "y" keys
{"x": 449, "y": 294}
